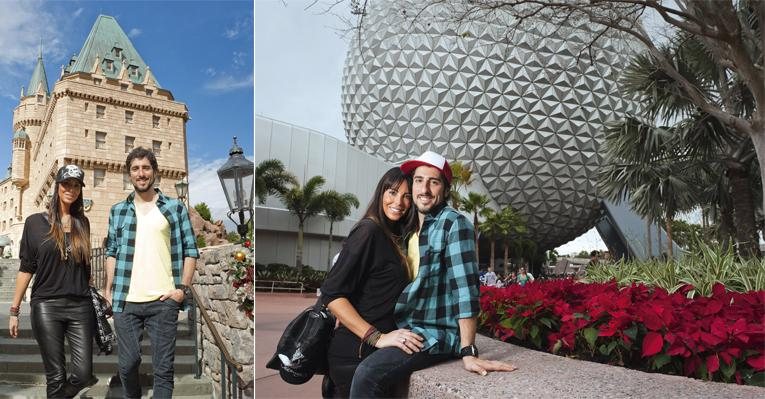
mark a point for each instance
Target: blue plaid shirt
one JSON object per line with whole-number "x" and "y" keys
{"x": 120, "y": 242}
{"x": 446, "y": 287}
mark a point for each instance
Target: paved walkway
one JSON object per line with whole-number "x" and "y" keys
{"x": 272, "y": 314}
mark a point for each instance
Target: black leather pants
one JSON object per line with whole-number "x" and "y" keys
{"x": 52, "y": 320}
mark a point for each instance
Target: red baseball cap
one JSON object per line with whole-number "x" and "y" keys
{"x": 429, "y": 158}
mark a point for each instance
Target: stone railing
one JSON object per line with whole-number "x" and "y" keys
{"x": 213, "y": 286}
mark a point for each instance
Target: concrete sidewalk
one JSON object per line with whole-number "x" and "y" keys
{"x": 272, "y": 314}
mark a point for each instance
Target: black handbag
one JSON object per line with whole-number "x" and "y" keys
{"x": 302, "y": 349}
{"x": 103, "y": 333}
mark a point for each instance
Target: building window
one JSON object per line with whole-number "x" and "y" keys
{"x": 99, "y": 175}
{"x": 155, "y": 121}
{"x": 126, "y": 184}
{"x": 156, "y": 147}
{"x": 149, "y": 92}
{"x": 109, "y": 65}
{"x": 100, "y": 140}
{"x": 128, "y": 116}
{"x": 100, "y": 111}
{"x": 97, "y": 81}
{"x": 129, "y": 143}
{"x": 157, "y": 179}
{"x": 40, "y": 98}
{"x": 132, "y": 71}
{"x": 123, "y": 86}
{"x": 117, "y": 52}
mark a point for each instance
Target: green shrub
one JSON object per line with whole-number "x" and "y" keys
{"x": 201, "y": 241}
{"x": 204, "y": 211}
{"x": 702, "y": 269}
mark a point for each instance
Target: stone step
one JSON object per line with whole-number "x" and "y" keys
{"x": 28, "y": 346}
{"x": 101, "y": 364}
{"x": 25, "y": 327}
{"x": 16, "y": 385}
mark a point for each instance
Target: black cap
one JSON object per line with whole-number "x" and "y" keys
{"x": 70, "y": 172}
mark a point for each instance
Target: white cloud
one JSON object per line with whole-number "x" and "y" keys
{"x": 77, "y": 12}
{"x": 135, "y": 32}
{"x": 22, "y": 26}
{"x": 238, "y": 58}
{"x": 225, "y": 83}
{"x": 204, "y": 186}
{"x": 240, "y": 26}
{"x": 210, "y": 71}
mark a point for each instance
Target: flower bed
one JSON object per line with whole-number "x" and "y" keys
{"x": 720, "y": 337}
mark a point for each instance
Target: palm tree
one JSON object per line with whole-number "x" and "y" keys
{"x": 494, "y": 228}
{"x": 336, "y": 207}
{"x": 699, "y": 137}
{"x": 305, "y": 202}
{"x": 271, "y": 178}
{"x": 475, "y": 203}
{"x": 513, "y": 225}
{"x": 462, "y": 176}
{"x": 645, "y": 162}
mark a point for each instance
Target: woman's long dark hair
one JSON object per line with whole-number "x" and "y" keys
{"x": 395, "y": 231}
{"x": 80, "y": 229}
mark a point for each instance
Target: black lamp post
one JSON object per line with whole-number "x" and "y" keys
{"x": 236, "y": 177}
{"x": 182, "y": 189}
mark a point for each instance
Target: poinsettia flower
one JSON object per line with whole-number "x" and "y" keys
{"x": 757, "y": 362}
{"x": 652, "y": 344}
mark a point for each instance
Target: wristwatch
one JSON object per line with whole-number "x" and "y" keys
{"x": 186, "y": 291}
{"x": 469, "y": 350}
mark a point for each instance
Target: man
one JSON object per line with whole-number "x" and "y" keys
{"x": 151, "y": 255}
{"x": 441, "y": 304}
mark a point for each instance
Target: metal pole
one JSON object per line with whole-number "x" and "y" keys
{"x": 223, "y": 379}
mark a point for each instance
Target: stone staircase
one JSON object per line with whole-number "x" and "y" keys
{"x": 8, "y": 270}
{"x": 22, "y": 374}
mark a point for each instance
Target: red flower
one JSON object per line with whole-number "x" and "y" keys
{"x": 713, "y": 363}
{"x": 757, "y": 362}
{"x": 652, "y": 344}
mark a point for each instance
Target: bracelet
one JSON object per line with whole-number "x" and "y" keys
{"x": 370, "y": 338}
{"x": 14, "y": 311}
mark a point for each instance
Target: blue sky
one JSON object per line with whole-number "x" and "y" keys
{"x": 202, "y": 51}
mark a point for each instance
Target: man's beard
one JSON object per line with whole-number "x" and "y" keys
{"x": 149, "y": 186}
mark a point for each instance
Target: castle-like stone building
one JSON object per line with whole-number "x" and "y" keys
{"x": 105, "y": 103}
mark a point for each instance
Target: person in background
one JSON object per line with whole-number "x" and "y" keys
{"x": 490, "y": 279}
{"x": 524, "y": 277}
{"x": 55, "y": 248}
{"x": 362, "y": 287}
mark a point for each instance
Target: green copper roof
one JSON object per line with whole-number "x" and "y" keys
{"x": 38, "y": 77}
{"x": 20, "y": 134}
{"x": 109, "y": 44}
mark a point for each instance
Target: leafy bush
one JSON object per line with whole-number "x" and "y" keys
{"x": 311, "y": 279}
{"x": 201, "y": 243}
{"x": 204, "y": 211}
{"x": 720, "y": 337}
{"x": 701, "y": 269}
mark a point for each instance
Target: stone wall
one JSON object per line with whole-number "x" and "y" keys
{"x": 213, "y": 285}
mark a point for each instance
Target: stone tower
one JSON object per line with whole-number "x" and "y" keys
{"x": 106, "y": 102}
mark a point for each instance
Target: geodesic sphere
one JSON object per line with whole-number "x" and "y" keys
{"x": 519, "y": 108}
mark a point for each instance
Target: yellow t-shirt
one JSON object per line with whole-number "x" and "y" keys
{"x": 413, "y": 255}
{"x": 152, "y": 274}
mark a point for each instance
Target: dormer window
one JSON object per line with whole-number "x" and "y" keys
{"x": 40, "y": 98}
{"x": 109, "y": 65}
{"x": 133, "y": 71}
{"x": 117, "y": 52}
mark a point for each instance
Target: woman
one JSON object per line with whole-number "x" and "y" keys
{"x": 362, "y": 288}
{"x": 524, "y": 277}
{"x": 55, "y": 247}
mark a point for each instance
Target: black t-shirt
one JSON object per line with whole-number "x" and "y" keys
{"x": 368, "y": 273}
{"x": 54, "y": 277}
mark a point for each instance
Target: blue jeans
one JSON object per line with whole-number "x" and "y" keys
{"x": 377, "y": 375}
{"x": 161, "y": 321}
